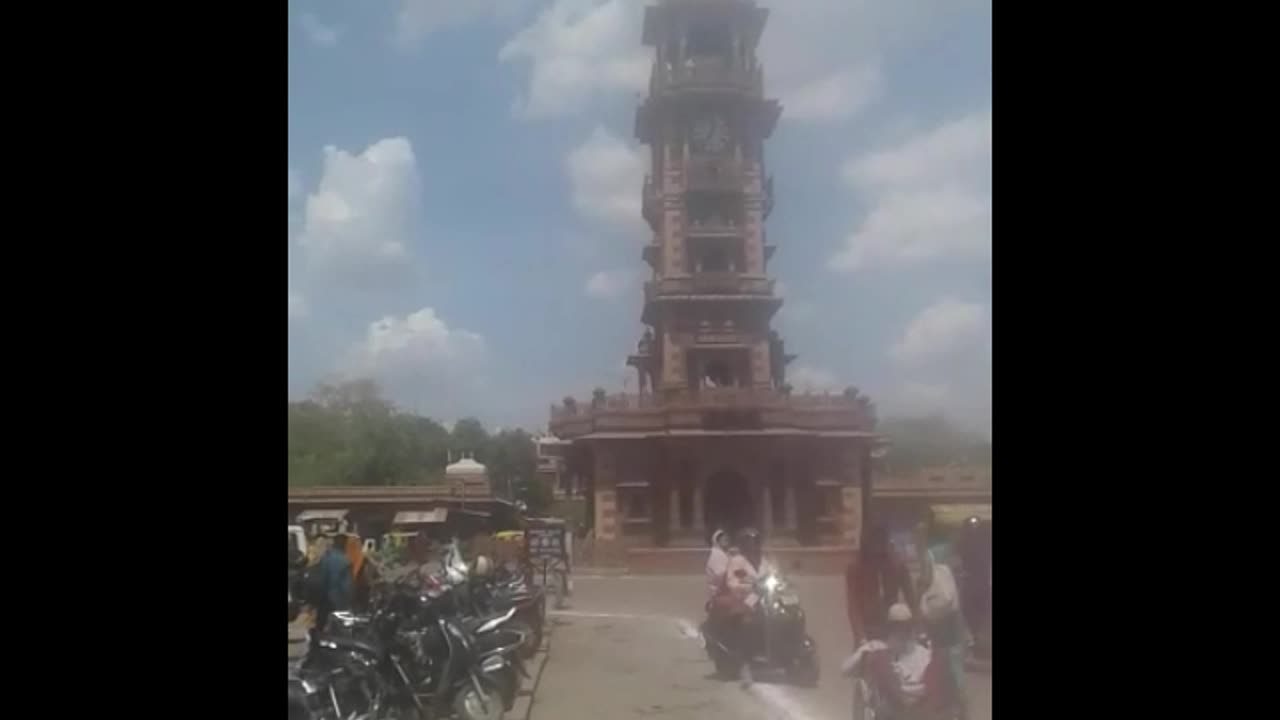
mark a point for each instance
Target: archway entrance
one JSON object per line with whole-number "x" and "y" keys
{"x": 728, "y": 503}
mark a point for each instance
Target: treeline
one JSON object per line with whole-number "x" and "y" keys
{"x": 917, "y": 443}
{"x": 349, "y": 434}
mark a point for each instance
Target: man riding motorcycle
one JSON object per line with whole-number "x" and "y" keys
{"x": 898, "y": 677}
{"x": 733, "y": 609}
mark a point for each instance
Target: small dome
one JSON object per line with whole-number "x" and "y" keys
{"x": 465, "y": 466}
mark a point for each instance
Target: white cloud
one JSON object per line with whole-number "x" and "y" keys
{"x": 605, "y": 177}
{"x": 821, "y": 56}
{"x": 417, "y": 19}
{"x": 362, "y": 219}
{"x": 421, "y": 362}
{"x": 943, "y": 360}
{"x": 420, "y": 339}
{"x": 610, "y": 284}
{"x": 923, "y": 398}
{"x": 809, "y": 379}
{"x": 940, "y": 331}
{"x": 960, "y": 149}
{"x": 317, "y": 32}
{"x": 578, "y": 49}
{"x": 931, "y": 198}
{"x": 298, "y": 307}
{"x": 838, "y": 96}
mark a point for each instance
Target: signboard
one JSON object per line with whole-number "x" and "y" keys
{"x": 545, "y": 543}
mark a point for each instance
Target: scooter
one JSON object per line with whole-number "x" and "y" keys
{"x": 777, "y": 640}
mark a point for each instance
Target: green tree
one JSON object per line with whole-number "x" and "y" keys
{"x": 347, "y": 433}
{"x": 469, "y": 436}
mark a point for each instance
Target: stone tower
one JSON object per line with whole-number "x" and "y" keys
{"x": 714, "y": 438}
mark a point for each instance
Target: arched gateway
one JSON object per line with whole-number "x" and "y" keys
{"x": 728, "y": 503}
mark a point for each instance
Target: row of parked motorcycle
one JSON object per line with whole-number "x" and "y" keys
{"x": 451, "y": 644}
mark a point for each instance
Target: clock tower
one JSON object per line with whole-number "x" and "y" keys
{"x": 705, "y": 121}
{"x": 714, "y": 438}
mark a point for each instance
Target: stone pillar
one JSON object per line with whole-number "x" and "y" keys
{"x": 851, "y": 515}
{"x": 673, "y": 521}
{"x": 699, "y": 521}
{"x": 789, "y": 505}
{"x": 606, "y": 507}
{"x": 767, "y": 510}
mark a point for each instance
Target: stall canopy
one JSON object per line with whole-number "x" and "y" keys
{"x": 308, "y": 515}
{"x": 428, "y": 517}
{"x": 957, "y": 514}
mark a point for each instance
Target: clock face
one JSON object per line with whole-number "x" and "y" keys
{"x": 711, "y": 135}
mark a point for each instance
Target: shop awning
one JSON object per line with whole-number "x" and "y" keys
{"x": 307, "y": 515}
{"x": 957, "y": 514}
{"x": 438, "y": 515}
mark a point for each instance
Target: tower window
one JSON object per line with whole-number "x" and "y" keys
{"x": 717, "y": 374}
{"x": 709, "y": 42}
{"x": 712, "y": 260}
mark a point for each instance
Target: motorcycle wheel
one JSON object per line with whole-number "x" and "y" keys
{"x": 805, "y": 671}
{"x": 508, "y": 686}
{"x": 468, "y": 704}
{"x": 535, "y": 639}
{"x": 726, "y": 667}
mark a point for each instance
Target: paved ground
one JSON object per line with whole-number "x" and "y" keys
{"x": 628, "y": 648}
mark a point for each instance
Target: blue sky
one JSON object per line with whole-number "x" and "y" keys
{"x": 464, "y": 199}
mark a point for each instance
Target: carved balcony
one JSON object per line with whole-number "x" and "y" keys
{"x": 708, "y": 408}
{"x": 705, "y": 75}
{"x": 713, "y": 227}
{"x": 709, "y": 283}
{"x": 713, "y": 174}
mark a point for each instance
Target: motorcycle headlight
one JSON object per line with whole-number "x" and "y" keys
{"x": 771, "y": 583}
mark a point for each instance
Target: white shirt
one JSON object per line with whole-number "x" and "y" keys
{"x": 910, "y": 667}
{"x": 717, "y": 563}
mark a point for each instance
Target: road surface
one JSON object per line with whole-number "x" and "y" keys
{"x": 627, "y": 647}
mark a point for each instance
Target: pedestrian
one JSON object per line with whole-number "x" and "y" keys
{"x": 897, "y": 667}
{"x": 939, "y": 607}
{"x": 330, "y": 585}
{"x": 875, "y": 579}
{"x": 975, "y": 581}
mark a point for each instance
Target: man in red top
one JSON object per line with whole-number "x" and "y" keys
{"x": 874, "y": 581}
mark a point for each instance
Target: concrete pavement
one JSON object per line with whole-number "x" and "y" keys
{"x": 628, "y": 647}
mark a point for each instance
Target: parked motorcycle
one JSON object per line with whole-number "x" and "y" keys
{"x": 496, "y": 593}
{"x": 775, "y": 636}
{"x": 414, "y": 658}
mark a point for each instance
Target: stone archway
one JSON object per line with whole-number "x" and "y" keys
{"x": 728, "y": 503}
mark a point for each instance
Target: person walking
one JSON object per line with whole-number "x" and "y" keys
{"x": 330, "y": 586}
{"x": 939, "y": 606}
{"x": 875, "y": 579}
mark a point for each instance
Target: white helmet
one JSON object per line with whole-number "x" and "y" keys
{"x": 899, "y": 613}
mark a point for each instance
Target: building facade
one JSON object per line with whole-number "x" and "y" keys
{"x": 942, "y": 496}
{"x": 714, "y": 437}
